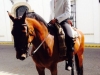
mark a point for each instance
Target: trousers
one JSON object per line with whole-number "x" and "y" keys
{"x": 69, "y": 35}
{"x": 68, "y": 29}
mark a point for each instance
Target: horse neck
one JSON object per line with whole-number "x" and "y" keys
{"x": 39, "y": 27}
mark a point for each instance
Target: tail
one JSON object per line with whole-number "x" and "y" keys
{"x": 76, "y": 63}
{"x": 79, "y": 69}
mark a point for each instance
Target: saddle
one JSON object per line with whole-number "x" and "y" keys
{"x": 58, "y": 30}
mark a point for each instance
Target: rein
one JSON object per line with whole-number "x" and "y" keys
{"x": 39, "y": 46}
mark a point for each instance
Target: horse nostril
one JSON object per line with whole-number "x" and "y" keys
{"x": 22, "y": 58}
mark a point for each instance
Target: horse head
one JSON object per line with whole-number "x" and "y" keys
{"x": 21, "y": 36}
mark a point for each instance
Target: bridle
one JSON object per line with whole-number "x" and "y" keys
{"x": 31, "y": 42}
{"x": 28, "y": 34}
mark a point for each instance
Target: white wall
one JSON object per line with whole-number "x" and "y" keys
{"x": 5, "y": 5}
{"x": 37, "y": 6}
{"x": 96, "y": 11}
{"x": 41, "y": 7}
{"x": 16, "y": 1}
{"x": 88, "y": 19}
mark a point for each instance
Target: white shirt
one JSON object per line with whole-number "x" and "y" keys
{"x": 60, "y": 9}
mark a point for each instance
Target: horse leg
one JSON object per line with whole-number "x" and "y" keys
{"x": 72, "y": 71}
{"x": 53, "y": 69}
{"x": 40, "y": 70}
{"x": 79, "y": 64}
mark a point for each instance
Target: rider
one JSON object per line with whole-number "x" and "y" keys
{"x": 61, "y": 12}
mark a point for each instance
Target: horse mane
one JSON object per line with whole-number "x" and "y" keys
{"x": 37, "y": 17}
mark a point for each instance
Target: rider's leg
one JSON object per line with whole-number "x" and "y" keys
{"x": 69, "y": 31}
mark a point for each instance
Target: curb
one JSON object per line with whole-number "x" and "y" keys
{"x": 92, "y": 45}
{"x": 6, "y": 43}
{"x": 86, "y": 45}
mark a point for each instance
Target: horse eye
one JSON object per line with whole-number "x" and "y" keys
{"x": 24, "y": 33}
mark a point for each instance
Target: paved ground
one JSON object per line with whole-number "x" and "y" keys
{"x": 9, "y": 65}
{"x": 87, "y": 45}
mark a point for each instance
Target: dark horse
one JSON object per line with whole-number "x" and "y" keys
{"x": 31, "y": 28}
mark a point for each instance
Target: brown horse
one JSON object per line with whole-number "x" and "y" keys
{"x": 31, "y": 28}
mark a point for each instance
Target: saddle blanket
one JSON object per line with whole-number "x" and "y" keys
{"x": 75, "y": 33}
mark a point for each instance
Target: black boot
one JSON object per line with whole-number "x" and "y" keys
{"x": 70, "y": 61}
{"x": 70, "y": 54}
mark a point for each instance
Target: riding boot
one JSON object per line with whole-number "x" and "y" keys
{"x": 70, "y": 55}
{"x": 70, "y": 61}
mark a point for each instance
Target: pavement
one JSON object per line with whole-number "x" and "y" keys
{"x": 87, "y": 45}
{"x": 9, "y": 65}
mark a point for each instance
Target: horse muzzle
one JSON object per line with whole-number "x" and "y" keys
{"x": 22, "y": 57}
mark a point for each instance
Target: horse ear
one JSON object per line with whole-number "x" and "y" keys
{"x": 24, "y": 15}
{"x": 11, "y": 17}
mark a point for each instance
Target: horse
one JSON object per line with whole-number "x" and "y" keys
{"x": 32, "y": 29}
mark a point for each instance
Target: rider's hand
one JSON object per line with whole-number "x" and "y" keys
{"x": 69, "y": 22}
{"x": 53, "y": 21}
